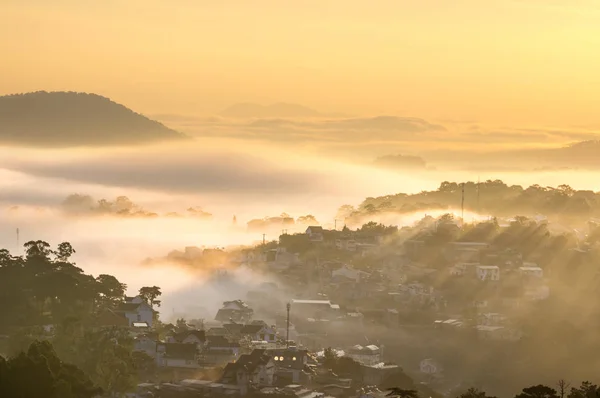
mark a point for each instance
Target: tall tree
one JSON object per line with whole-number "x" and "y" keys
{"x": 37, "y": 248}
{"x": 539, "y": 391}
{"x": 586, "y": 390}
{"x": 149, "y": 295}
{"x": 64, "y": 251}
{"x": 110, "y": 290}
{"x": 106, "y": 355}
{"x": 474, "y": 393}
{"x": 402, "y": 393}
{"x": 562, "y": 385}
{"x": 330, "y": 358}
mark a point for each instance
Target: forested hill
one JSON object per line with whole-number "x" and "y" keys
{"x": 69, "y": 118}
{"x": 489, "y": 197}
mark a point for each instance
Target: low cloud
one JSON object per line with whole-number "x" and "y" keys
{"x": 178, "y": 170}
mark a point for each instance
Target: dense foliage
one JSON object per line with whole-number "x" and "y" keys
{"x": 44, "y": 287}
{"x": 39, "y": 373}
{"x": 491, "y": 197}
{"x": 47, "y": 297}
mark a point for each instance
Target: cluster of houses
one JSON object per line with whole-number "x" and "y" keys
{"x": 335, "y": 302}
{"x": 255, "y": 357}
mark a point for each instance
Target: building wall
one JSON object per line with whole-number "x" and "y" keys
{"x": 266, "y": 334}
{"x": 191, "y": 339}
{"x": 177, "y": 363}
{"x": 147, "y": 346}
{"x": 486, "y": 274}
{"x": 143, "y": 314}
{"x": 366, "y": 358}
{"x": 265, "y": 375}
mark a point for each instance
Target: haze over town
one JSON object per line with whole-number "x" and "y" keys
{"x": 418, "y": 181}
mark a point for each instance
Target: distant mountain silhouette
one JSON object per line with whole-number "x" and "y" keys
{"x": 69, "y": 118}
{"x": 278, "y": 110}
{"x": 400, "y": 162}
{"x": 584, "y": 153}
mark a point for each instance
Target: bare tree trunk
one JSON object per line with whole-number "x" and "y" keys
{"x": 563, "y": 386}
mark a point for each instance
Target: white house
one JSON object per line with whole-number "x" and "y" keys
{"x": 236, "y": 310}
{"x": 146, "y": 343}
{"x": 498, "y": 333}
{"x": 531, "y": 271}
{"x": 488, "y": 272}
{"x": 137, "y": 312}
{"x": 260, "y": 332}
{"x": 430, "y": 367}
{"x": 257, "y": 369}
{"x": 460, "y": 269}
{"x": 314, "y": 308}
{"x": 346, "y": 244}
{"x": 369, "y": 355}
{"x": 134, "y": 300}
{"x": 315, "y": 233}
{"x": 350, "y": 273}
{"x": 237, "y": 305}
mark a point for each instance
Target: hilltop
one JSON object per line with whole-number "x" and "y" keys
{"x": 70, "y": 118}
{"x": 488, "y": 197}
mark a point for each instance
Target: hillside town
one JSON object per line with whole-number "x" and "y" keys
{"x": 356, "y": 312}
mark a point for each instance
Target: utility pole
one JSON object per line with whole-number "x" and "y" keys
{"x": 335, "y": 223}
{"x": 462, "y": 204}
{"x": 18, "y": 245}
{"x": 287, "y": 331}
{"x": 478, "y": 209}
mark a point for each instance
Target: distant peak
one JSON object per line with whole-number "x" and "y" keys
{"x": 67, "y": 118}
{"x": 275, "y": 110}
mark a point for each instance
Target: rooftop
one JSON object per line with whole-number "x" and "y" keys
{"x": 529, "y": 268}
{"x": 317, "y": 302}
{"x": 180, "y": 351}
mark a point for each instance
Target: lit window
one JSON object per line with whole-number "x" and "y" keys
{"x": 294, "y": 358}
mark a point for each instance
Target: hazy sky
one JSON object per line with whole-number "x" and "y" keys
{"x": 501, "y": 61}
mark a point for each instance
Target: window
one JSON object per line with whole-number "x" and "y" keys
{"x": 139, "y": 318}
{"x": 262, "y": 337}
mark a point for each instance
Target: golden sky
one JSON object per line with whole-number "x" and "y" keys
{"x": 500, "y": 61}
